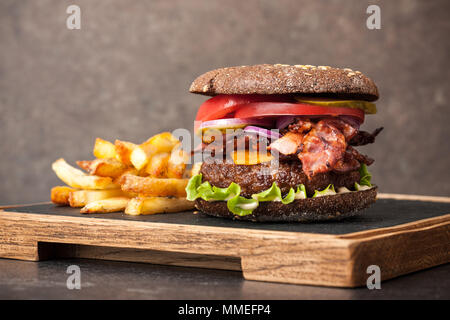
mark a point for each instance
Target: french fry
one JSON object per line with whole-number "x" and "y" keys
{"x": 80, "y": 198}
{"x": 140, "y": 179}
{"x": 106, "y": 205}
{"x": 177, "y": 162}
{"x": 163, "y": 142}
{"x": 131, "y": 171}
{"x": 152, "y": 205}
{"x": 86, "y": 164}
{"x": 104, "y": 149}
{"x": 124, "y": 150}
{"x": 157, "y": 166}
{"x": 154, "y": 187}
{"x": 60, "y": 194}
{"x": 103, "y": 167}
{"x": 77, "y": 179}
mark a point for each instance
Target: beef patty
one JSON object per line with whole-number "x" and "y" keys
{"x": 256, "y": 178}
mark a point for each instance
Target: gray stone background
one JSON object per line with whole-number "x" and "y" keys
{"x": 126, "y": 75}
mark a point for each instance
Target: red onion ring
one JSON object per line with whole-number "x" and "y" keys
{"x": 263, "y": 132}
{"x": 284, "y": 121}
{"x": 354, "y": 122}
{"x": 235, "y": 123}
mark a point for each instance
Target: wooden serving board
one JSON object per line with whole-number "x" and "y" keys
{"x": 400, "y": 234}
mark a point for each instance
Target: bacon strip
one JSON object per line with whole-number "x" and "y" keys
{"x": 287, "y": 144}
{"x": 346, "y": 164}
{"x": 301, "y": 126}
{"x": 348, "y": 130}
{"x": 363, "y": 137}
{"x": 360, "y": 157}
{"x": 351, "y": 161}
{"x": 323, "y": 147}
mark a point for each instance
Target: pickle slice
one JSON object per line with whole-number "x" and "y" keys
{"x": 367, "y": 107}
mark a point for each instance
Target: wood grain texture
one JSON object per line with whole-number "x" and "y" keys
{"x": 266, "y": 255}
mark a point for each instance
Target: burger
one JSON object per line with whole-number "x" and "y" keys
{"x": 278, "y": 143}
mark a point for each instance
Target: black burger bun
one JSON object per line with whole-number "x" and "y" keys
{"x": 332, "y": 207}
{"x": 304, "y": 80}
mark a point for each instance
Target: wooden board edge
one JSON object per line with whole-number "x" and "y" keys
{"x": 397, "y": 196}
{"x": 287, "y": 235}
{"x": 400, "y": 253}
{"x": 275, "y": 234}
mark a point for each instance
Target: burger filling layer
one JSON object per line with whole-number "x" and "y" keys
{"x": 256, "y": 150}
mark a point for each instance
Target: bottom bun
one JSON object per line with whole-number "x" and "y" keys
{"x": 333, "y": 207}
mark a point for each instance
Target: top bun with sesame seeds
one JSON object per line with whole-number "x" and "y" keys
{"x": 305, "y": 80}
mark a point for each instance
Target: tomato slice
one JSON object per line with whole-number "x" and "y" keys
{"x": 274, "y": 109}
{"x": 220, "y": 106}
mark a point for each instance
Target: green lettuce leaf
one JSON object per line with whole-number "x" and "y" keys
{"x": 242, "y": 206}
{"x": 365, "y": 176}
{"x": 208, "y": 192}
{"x": 195, "y": 189}
{"x": 325, "y": 192}
{"x": 301, "y": 192}
{"x": 192, "y": 186}
{"x": 274, "y": 194}
{"x": 359, "y": 187}
{"x": 271, "y": 194}
{"x": 290, "y": 197}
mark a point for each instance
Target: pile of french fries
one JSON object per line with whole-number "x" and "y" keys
{"x": 139, "y": 179}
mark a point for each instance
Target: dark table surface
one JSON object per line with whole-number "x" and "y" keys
{"x": 123, "y": 280}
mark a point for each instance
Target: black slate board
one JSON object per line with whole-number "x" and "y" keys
{"x": 384, "y": 213}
